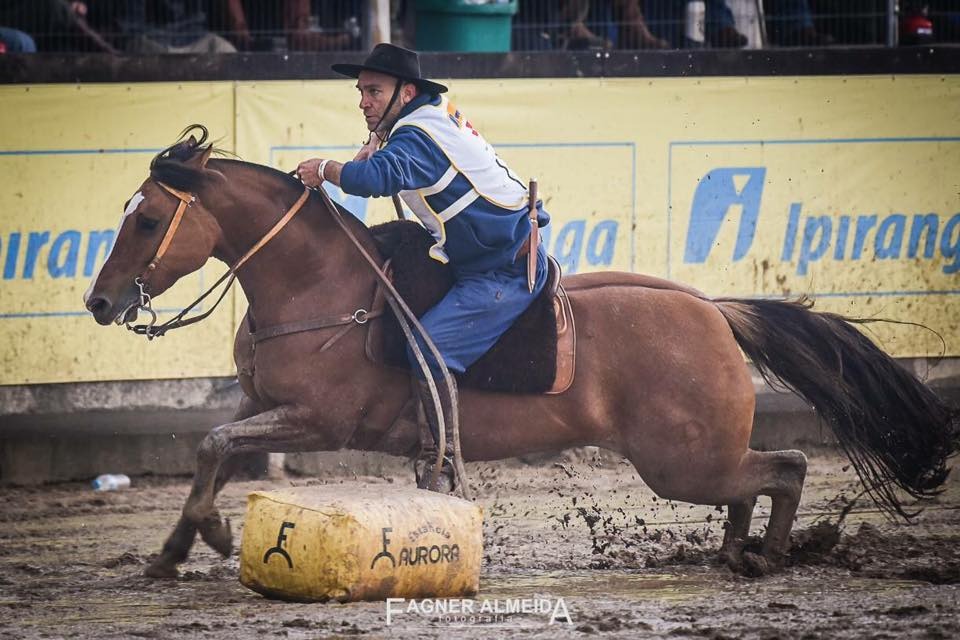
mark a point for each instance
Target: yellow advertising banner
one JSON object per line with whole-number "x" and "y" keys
{"x": 70, "y": 157}
{"x": 588, "y": 179}
{"x": 843, "y": 188}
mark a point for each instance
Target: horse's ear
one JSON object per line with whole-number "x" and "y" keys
{"x": 191, "y": 142}
{"x": 200, "y": 160}
{"x": 205, "y": 156}
{"x": 199, "y": 157}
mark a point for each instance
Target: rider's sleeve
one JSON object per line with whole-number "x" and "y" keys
{"x": 410, "y": 160}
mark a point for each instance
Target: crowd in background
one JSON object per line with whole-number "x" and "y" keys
{"x": 225, "y": 26}
{"x": 666, "y": 24}
{"x": 181, "y": 26}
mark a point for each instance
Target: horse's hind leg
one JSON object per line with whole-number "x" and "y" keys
{"x": 784, "y": 492}
{"x": 780, "y": 475}
{"x": 739, "y": 514}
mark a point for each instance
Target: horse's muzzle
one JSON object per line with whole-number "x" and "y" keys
{"x": 101, "y": 309}
{"x": 106, "y": 312}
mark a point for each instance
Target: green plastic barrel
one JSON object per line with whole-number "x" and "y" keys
{"x": 464, "y": 25}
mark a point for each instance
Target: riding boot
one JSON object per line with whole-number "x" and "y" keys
{"x": 429, "y": 437}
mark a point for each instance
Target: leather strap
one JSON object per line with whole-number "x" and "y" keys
{"x": 397, "y": 206}
{"x": 186, "y": 199}
{"x": 534, "y": 238}
{"x": 281, "y": 223}
{"x": 349, "y": 319}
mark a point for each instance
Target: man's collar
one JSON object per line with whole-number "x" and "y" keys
{"x": 419, "y": 100}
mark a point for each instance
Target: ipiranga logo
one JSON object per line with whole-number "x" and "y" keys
{"x": 717, "y": 193}
{"x": 735, "y": 196}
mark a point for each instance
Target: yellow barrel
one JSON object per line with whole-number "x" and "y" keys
{"x": 368, "y": 543}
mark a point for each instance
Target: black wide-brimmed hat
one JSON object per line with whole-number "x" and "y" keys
{"x": 394, "y": 61}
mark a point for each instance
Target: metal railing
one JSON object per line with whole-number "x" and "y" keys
{"x": 216, "y": 26}
{"x": 684, "y": 24}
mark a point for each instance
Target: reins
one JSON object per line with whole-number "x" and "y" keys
{"x": 405, "y": 317}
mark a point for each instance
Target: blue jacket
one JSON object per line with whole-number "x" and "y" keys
{"x": 481, "y": 237}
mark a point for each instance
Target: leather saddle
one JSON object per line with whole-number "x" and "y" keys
{"x": 536, "y": 355}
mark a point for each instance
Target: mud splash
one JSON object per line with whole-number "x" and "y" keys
{"x": 587, "y": 530}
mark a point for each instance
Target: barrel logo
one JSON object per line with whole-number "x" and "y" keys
{"x": 417, "y": 554}
{"x": 279, "y": 550}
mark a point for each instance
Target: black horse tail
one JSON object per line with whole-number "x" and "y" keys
{"x": 895, "y": 430}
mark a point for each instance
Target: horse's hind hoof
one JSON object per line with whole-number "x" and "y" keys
{"x": 161, "y": 570}
{"x": 732, "y": 559}
{"x": 755, "y": 566}
{"x": 216, "y": 533}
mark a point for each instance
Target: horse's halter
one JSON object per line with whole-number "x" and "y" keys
{"x": 143, "y": 280}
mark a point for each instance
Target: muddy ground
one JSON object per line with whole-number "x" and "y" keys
{"x": 583, "y": 528}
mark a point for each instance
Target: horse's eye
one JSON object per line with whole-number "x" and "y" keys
{"x": 147, "y": 224}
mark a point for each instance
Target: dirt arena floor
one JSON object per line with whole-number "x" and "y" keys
{"x": 581, "y": 528}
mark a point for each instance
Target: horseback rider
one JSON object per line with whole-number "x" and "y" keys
{"x": 422, "y": 148}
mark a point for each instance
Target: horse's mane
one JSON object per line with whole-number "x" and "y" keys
{"x": 171, "y": 166}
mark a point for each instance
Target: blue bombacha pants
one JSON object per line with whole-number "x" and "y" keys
{"x": 476, "y": 311}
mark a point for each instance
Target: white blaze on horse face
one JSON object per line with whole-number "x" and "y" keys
{"x": 135, "y": 201}
{"x": 132, "y": 205}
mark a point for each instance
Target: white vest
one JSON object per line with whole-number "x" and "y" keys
{"x": 468, "y": 154}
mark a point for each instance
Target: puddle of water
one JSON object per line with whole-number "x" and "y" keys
{"x": 668, "y": 587}
{"x": 607, "y": 584}
{"x": 52, "y": 615}
{"x": 850, "y": 585}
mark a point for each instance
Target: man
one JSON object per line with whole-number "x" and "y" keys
{"x": 424, "y": 150}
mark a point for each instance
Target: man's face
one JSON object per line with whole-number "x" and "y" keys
{"x": 376, "y": 89}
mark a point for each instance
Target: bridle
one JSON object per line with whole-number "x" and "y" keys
{"x": 144, "y": 303}
{"x": 143, "y": 280}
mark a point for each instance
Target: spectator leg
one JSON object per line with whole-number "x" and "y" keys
{"x": 721, "y": 27}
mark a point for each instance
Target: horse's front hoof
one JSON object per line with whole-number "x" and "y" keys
{"x": 161, "y": 570}
{"x": 216, "y": 533}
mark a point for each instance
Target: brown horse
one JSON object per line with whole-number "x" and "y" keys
{"x": 660, "y": 377}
